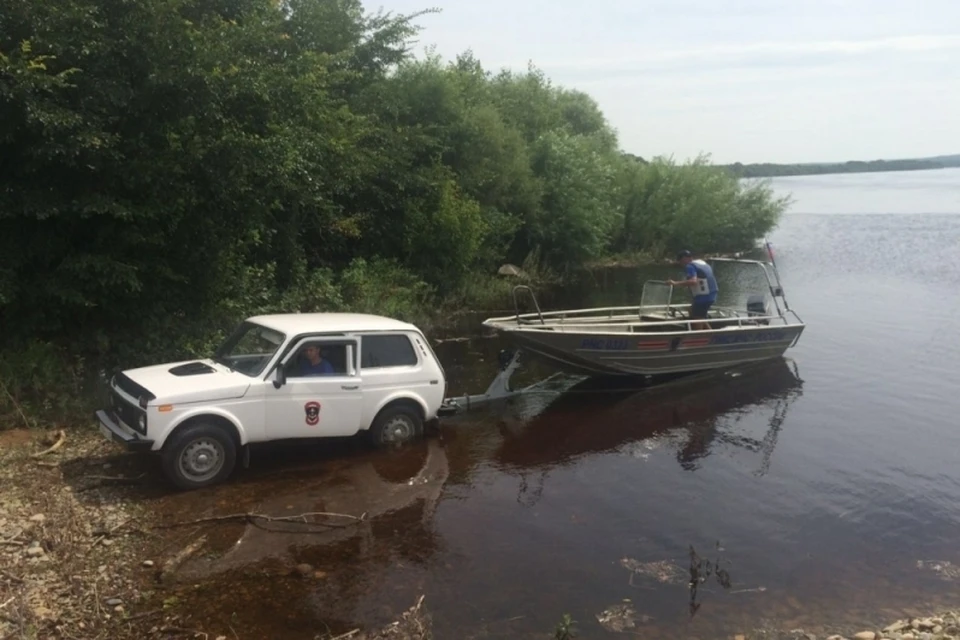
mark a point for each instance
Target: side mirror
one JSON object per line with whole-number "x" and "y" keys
{"x": 279, "y": 377}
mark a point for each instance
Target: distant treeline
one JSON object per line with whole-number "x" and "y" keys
{"x": 768, "y": 169}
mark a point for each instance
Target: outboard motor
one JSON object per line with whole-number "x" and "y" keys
{"x": 757, "y": 305}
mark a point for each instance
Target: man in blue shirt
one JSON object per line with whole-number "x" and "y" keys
{"x": 701, "y": 280}
{"x": 315, "y": 365}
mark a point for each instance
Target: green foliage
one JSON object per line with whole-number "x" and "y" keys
{"x": 384, "y": 287}
{"x": 579, "y": 213}
{"x": 668, "y": 206}
{"x": 168, "y": 167}
{"x": 41, "y": 379}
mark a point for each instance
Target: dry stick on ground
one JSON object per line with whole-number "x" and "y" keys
{"x": 195, "y": 632}
{"x": 11, "y": 577}
{"x": 174, "y": 563}
{"x": 95, "y": 477}
{"x": 96, "y": 598}
{"x": 109, "y": 532}
{"x": 143, "y": 614}
{"x": 259, "y": 516}
{"x": 415, "y": 611}
{"x": 104, "y": 481}
{"x": 56, "y": 445}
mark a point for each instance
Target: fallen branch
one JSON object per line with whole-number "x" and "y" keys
{"x": 195, "y": 632}
{"x": 49, "y": 465}
{"x": 95, "y": 477}
{"x": 756, "y": 589}
{"x": 105, "y": 480}
{"x": 415, "y": 611}
{"x": 11, "y": 577}
{"x": 259, "y": 516}
{"x": 11, "y": 543}
{"x": 348, "y": 634}
{"x": 174, "y": 563}
{"x": 96, "y": 598}
{"x": 143, "y": 614}
{"x": 56, "y": 445}
{"x": 109, "y": 532}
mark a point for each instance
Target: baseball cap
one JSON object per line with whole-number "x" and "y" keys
{"x": 683, "y": 254}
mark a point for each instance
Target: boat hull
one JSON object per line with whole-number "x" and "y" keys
{"x": 633, "y": 354}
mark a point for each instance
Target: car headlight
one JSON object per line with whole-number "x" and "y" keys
{"x": 142, "y": 421}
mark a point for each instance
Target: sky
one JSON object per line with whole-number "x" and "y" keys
{"x": 742, "y": 80}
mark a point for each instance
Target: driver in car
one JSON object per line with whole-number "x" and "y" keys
{"x": 315, "y": 364}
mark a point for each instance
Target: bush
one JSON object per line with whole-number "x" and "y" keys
{"x": 668, "y": 206}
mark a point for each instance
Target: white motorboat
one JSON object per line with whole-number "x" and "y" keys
{"x": 657, "y": 336}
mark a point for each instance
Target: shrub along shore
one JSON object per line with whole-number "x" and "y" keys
{"x": 168, "y": 167}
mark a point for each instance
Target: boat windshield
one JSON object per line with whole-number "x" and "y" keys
{"x": 249, "y": 348}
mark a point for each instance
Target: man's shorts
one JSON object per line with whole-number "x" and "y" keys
{"x": 699, "y": 308}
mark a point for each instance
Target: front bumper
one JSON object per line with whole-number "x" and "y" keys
{"x": 110, "y": 430}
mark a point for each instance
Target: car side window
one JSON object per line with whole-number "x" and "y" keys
{"x": 315, "y": 359}
{"x": 377, "y": 351}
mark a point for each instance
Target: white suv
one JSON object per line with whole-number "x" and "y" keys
{"x": 278, "y": 377}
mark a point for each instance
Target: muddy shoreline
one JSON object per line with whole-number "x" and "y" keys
{"x": 82, "y": 555}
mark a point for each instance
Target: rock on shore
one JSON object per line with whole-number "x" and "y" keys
{"x": 941, "y": 626}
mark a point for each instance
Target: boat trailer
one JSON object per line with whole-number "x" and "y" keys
{"x": 509, "y": 361}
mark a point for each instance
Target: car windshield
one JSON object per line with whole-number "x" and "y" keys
{"x": 249, "y": 348}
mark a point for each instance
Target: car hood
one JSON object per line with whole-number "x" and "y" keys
{"x": 190, "y": 381}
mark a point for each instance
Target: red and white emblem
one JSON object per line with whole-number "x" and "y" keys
{"x": 312, "y": 410}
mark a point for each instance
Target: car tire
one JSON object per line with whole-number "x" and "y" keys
{"x": 199, "y": 455}
{"x": 395, "y": 426}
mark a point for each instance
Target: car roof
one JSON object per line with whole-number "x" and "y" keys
{"x": 297, "y": 323}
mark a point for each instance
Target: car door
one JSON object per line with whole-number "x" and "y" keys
{"x": 304, "y": 404}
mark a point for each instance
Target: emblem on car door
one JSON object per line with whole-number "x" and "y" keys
{"x": 312, "y": 410}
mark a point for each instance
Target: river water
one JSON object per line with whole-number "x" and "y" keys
{"x": 825, "y": 485}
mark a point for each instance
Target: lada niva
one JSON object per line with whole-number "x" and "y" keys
{"x": 278, "y": 377}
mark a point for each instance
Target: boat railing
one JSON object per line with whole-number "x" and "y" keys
{"x": 598, "y": 319}
{"x": 630, "y": 312}
{"x": 605, "y": 315}
{"x": 516, "y": 306}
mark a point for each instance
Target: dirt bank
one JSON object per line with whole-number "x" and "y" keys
{"x": 82, "y": 556}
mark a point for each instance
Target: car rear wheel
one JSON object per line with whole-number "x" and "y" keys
{"x": 199, "y": 455}
{"x": 396, "y": 426}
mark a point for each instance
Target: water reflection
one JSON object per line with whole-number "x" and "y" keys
{"x": 618, "y": 484}
{"x": 405, "y": 485}
{"x": 309, "y": 572}
{"x": 701, "y": 571}
{"x": 695, "y": 412}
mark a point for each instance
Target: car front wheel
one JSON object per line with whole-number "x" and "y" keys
{"x": 199, "y": 455}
